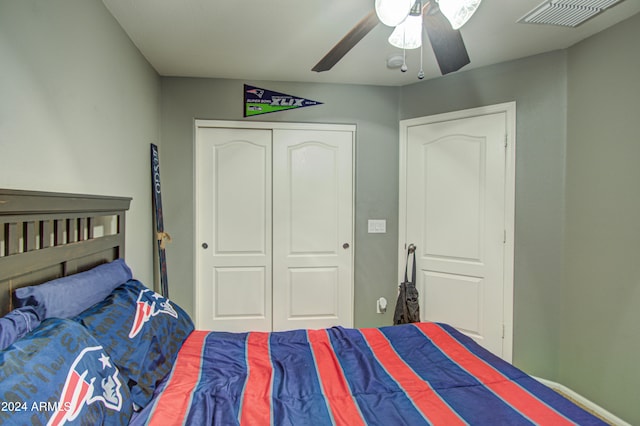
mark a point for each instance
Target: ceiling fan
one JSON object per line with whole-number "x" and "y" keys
{"x": 440, "y": 18}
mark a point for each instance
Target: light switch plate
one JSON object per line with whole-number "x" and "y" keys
{"x": 377, "y": 226}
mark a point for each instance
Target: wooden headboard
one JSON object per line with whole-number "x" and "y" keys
{"x": 45, "y": 235}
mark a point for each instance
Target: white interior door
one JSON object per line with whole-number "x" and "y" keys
{"x": 313, "y": 229}
{"x": 455, "y": 212}
{"x": 234, "y": 229}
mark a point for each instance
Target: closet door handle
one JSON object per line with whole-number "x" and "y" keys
{"x": 205, "y": 246}
{"x": 345, "y": 246}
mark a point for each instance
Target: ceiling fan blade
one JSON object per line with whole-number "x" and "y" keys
{"x": 446, "y": 42}
{"x": 352, "y": 38}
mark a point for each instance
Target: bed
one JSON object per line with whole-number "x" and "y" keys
{"x": 84, "y": 342}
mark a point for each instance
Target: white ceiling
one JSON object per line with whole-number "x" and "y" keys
{"x": 282, "y": 40}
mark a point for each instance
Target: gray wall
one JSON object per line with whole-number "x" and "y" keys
{"x": 78, "y": 108}
{"x": 538, "y": 86}
{"x": 600, "y": 325}
{"x": 374, "y": 110}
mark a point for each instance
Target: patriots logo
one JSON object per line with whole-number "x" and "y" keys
{"x": 91, "y": 378}
{"x": 148, "y": 305}
{"x": 257, "y": 92}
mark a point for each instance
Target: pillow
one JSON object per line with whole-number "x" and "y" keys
{"x": 59, "y": 373}
{"x": 142, "y": 331}
{"x": 68, "y": 296}
{"x": 17, "y": 323}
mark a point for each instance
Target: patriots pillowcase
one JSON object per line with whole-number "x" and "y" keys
{"x": 143, "y": 332}
{"x": 18, "y": 323}
{"x": 59, "y": 374}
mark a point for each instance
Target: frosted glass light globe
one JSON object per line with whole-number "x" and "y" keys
{"x": 393, "y": 12}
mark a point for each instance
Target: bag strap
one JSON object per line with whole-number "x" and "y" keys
{"x": 411, "y": 250}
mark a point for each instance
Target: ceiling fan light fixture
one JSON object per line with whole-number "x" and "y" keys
{"x": 458, "y": 12}
{"x": 408, "y": 35}
{"x": 393, "y": 12}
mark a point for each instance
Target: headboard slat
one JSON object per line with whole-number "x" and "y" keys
{"x": 29, "y": 236}
{"x": 45, "y": 233}
{"x": 12, "y": 239}
{"x": 72, "y": 230}
{"x": 59, "y": 231}
{"x": 90, "y": 222}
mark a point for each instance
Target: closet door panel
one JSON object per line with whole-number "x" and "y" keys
{"x": 234, "y": 226}
{"x": 312, "y": 228}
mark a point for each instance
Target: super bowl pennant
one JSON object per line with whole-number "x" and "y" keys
{"x": 262, "y": 101}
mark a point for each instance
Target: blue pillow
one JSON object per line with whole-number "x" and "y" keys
{"x": 59, "y": 374}
{"x": 68, "y": 296}
{"x": 17, "y": 323}
{"x": 142, "y": 331}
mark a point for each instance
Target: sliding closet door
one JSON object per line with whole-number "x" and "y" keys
{"x": 233, "y": 185}
{"x": 312, "y": 229}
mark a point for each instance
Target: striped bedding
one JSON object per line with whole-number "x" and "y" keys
{"x": 423, "y": 373}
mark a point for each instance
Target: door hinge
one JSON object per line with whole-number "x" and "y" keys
{"x": 506, "y": 140}
{"x": 503, "y": 330}
{"x": 504, "y": 236}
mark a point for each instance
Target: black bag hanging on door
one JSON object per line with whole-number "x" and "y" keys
{"x": 407, "y": 306}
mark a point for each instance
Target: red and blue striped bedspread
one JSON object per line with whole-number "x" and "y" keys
{"x": 415, "y": 374}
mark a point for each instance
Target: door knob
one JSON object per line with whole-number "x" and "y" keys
{"x": 345, "y": 246}
{"x": 205, "y": 246}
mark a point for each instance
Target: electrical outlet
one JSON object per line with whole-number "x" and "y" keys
{"x": 381, "y": 305}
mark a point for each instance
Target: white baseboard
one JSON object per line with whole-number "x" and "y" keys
{"x": 611, "y": 418}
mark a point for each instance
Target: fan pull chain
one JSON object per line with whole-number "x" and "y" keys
{"x": 404, "y": 67}
{"x": 421, "y": 72}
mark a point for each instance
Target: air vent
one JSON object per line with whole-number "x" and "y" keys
{"x": 568, "y": 13}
